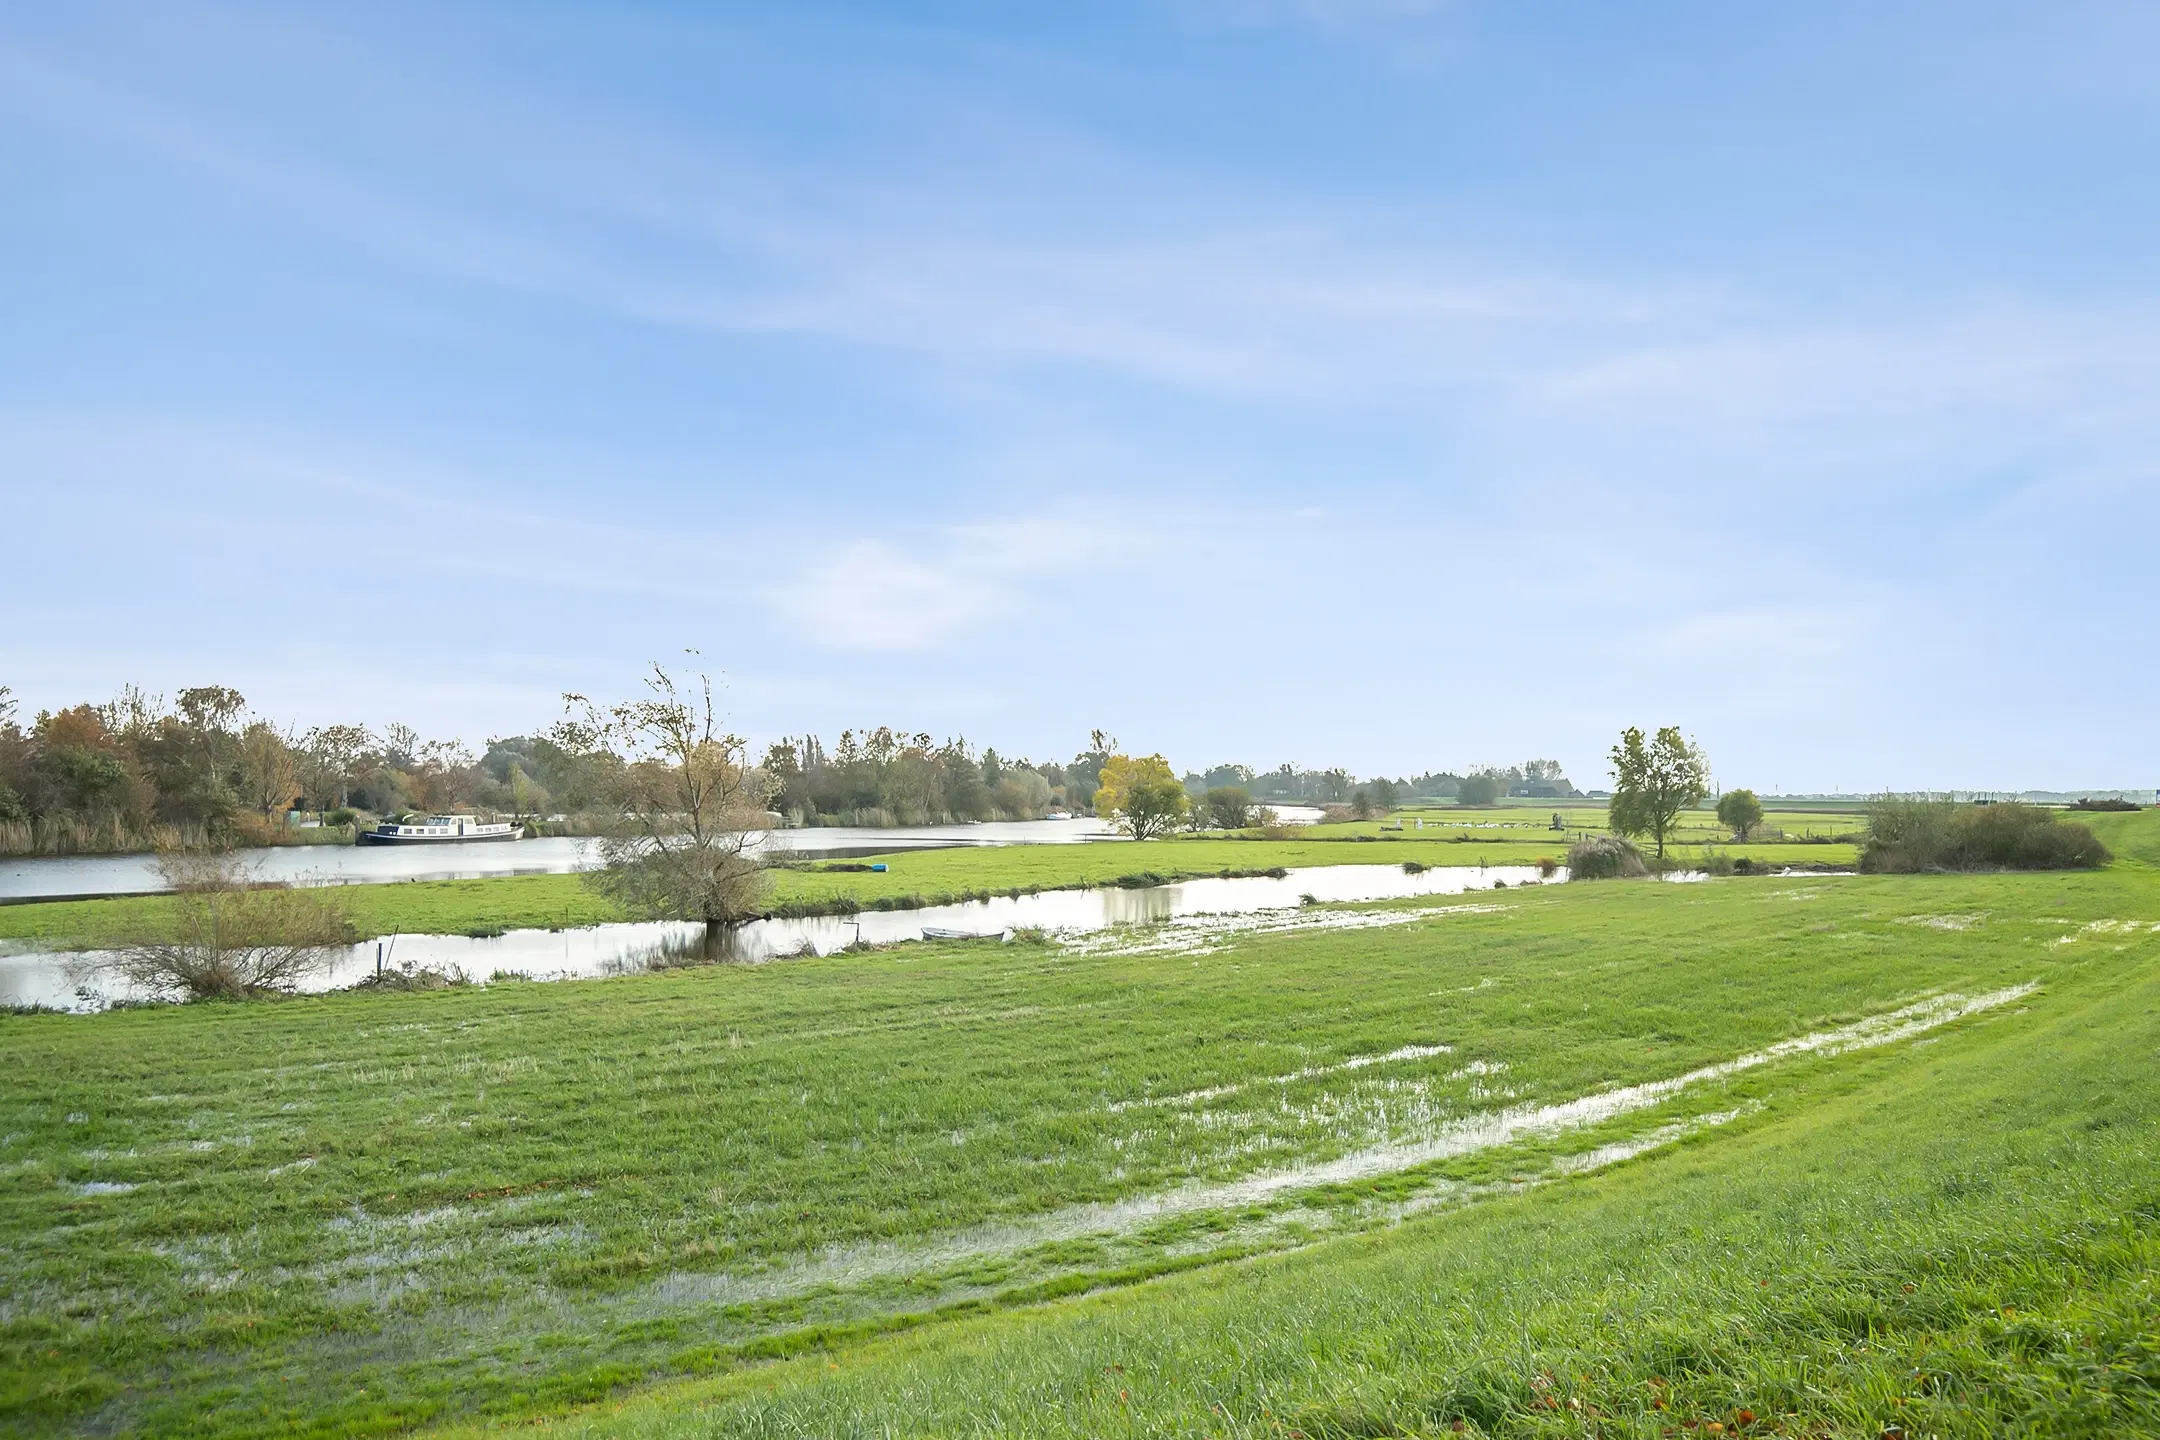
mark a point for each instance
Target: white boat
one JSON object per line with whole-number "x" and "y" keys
{"x": 439, "y": 830}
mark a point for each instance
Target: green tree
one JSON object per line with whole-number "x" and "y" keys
{"x": 1144, "y": 796}
{"x": 1228, "y": 807}
{"x": 1481, "y": 788}
{"x": 1739, "y": 811}
{"x": 1654, "y": 780}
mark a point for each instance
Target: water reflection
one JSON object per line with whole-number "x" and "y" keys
{"x": 63, "y": 981}
{"x": 61, "y": 876}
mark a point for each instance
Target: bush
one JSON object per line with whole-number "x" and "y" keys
{"x": 1604, "y": 857}
{"x": 1910, "y": 833}
{"x": 2109, "y": 802}
{"x": 227, "y": 938}
{"x": 341, "y": 816}
{"x": 1227, "y": 807}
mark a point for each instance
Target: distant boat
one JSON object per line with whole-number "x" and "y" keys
{"x": 439, "y": 830}
{"x": 940, "y": 932}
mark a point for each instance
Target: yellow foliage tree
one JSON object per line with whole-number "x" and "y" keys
{"x": 1144, "y": 796}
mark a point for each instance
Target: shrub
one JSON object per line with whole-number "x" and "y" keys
{"x": 1604, "y": 857}
{"x": 2107, "y": 802}
{"x": 1227, "y": 807}
{"x": 230, "y": 939}
{"x": 1413, "y": 867}
{"x": 425, "y": 977}
{"x": 1909, "y": 833}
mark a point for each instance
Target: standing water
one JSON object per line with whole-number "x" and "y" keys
{"x": 75, "y": 981}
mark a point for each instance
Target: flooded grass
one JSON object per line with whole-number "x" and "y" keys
{"x": 913, "y": 879}
{"x": 359, "y": 1213}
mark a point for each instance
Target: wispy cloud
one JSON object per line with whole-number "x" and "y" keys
{"x": 936, "y": 585}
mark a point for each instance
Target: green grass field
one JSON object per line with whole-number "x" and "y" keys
{"x": 1517, "y": 816}
{"x": 1840, "y": 1152}
{"x": 925, "y": 876}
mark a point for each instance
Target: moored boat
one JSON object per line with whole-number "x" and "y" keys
{"x": 439, "y": 830}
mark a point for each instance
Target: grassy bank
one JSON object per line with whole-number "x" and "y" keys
{"x": 914, "y": 878}
{"x": 1960, "y": 1240}
{"x": 1524, "y": 817}
{"x": 352, "y": 1214}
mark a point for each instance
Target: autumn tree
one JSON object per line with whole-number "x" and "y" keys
{"x": 1653, "y": 781}
{"x": 687, "y": 808}
{"x": 269, "y": 769}
{"x": 1144, "y": 796}
{"x": 330, "y": 760}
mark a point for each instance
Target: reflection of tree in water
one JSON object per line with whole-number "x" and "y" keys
{"x": 1136, "y": 907}
{"x": 746, "y": 944}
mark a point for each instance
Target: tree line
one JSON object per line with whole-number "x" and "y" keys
{"x": 1287, "y": 784}
{"x": 884, "y": 776}
{"x": 141, "y": 772}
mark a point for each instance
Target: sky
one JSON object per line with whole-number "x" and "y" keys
{"x": 1374, "y": 383}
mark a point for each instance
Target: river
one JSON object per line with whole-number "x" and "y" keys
{"x": 71, "y": 877}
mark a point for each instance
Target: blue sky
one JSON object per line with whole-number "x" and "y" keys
{"x": 1393, "y": 385}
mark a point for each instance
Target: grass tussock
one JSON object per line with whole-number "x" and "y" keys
{"x": 1912, "y": 833}
{"x": 1604, "y": 857}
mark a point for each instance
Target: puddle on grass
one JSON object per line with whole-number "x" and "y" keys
{"x": 1941, "y": 922}
{"x": 857, "y": 1264}
{"x": 1209, "y": 910}
{"x": 1355, "y": 1062}
{"x": 2095, "y": 929}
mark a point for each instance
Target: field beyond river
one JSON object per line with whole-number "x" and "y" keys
{"x": 917, "y": 878}
{"x": 1780, "y": 1154}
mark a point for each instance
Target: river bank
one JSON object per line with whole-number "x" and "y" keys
{"x": 912, "y": 879}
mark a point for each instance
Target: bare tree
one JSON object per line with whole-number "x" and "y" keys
{"x": 227, "y": 938}
{"x": 686, "y": 805}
